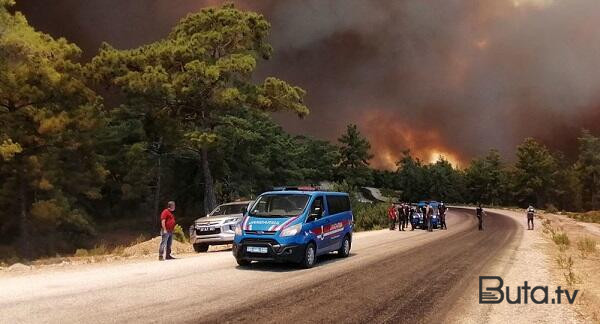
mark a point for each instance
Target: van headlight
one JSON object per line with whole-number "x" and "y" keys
{"x": 292, "y": 230}
{"x": 238, "y": 229}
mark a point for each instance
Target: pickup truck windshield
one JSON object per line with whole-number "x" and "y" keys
{"x": 279, "y": 205}
{"x": 229, "y": 210}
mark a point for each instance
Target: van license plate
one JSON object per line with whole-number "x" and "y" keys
{"x": 255, "y": 249}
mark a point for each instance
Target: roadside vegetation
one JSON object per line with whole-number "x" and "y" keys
{"x": 561, "y": 239}
{"x": 588, "y": 217}
{"x": 79, "y": 162}
{"x": 587, "y": 246}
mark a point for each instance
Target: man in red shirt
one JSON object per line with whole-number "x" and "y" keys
{"x": 392, "y": 216}
{"x": 167, "y": 224}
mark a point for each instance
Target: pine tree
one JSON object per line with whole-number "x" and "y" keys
{"x": 201, "y": 72}
{"x": 48, "y": 118}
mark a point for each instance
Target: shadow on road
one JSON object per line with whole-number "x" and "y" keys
{"x": 289, "y": 267}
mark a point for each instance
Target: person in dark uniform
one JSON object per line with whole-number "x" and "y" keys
{"x": 480, "y": 214}
{"x": 399, "y": 212}
{"x": 430, "y": 212}
{"x": 424, "y": 213}
{"x": 530, "y": 214}
{"x": 411, "y": 211}
{"x": 442, "y": 211}
{"x": 405, "y": 214}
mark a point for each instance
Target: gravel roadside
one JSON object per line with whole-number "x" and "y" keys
{"x": 527, "y": 258}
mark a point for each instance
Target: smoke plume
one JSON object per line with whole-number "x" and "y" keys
{"x": 455, "y": 78}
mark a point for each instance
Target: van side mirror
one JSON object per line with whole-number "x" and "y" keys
{"x": 312, "y": 217}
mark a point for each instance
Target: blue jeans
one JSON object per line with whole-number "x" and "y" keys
{"x": 165, "y": 242}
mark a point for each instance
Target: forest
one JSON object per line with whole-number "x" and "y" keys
{"x": 85, "y": 144}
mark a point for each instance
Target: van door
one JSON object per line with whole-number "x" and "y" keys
{"x": 337, "y": 223}
{"x": 317, "y": 223}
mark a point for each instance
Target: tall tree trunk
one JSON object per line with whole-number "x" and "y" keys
{"x": 156, "y": 217}
{"x": 210, "y": 200}
{"x": 24, "y": 228}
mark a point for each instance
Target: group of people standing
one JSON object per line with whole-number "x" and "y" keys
{"x": 402, "y": 213}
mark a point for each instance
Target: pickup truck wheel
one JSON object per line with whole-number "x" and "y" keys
{"x": 198, "y": 247}
{"x": 310, "y": 257}
{"x": 242, "y": 262}
{"x": 344, "y": 250}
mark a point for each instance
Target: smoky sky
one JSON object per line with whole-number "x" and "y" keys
{"x": 447, "y": 77}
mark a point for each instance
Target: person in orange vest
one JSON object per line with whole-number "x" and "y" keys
{"x": 392, "y": 215}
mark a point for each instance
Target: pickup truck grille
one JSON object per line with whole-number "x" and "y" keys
{"x": 207, "y": 223}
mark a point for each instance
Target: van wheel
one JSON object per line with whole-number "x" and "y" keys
{"x": 310, "y": 256}
{"x": 344, "y": 250}
{"x": 201, "y": 247}
{"x": 242, "y": 262}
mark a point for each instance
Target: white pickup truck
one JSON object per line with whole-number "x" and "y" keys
{"x": 217, "y": 227}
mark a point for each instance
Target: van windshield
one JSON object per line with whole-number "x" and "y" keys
{"x": 281, "y": 205}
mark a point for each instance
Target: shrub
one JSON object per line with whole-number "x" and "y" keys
{"x": 8, "y": 255}
{"x": 561, "y": 238}
{"x": 586, "y": 246}
{"x": 369, "y": 216}
{"x": 81, "y": 253}
{"x": 564, "y": 262}
{"x": 99, "y": 250}
{"x": 589, "y": 217}
{"x": 570, "y": 277}
{"x": 141, "y": 238}
{"x": 179, "y": 234}
{"x": 550, "y": 208}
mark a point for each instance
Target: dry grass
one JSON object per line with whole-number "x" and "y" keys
{"x": 586, "y": 246}
{"x": 561, "y": 239}
{"x": 564, "y": 262}
{"x": 547, "y": 227}
{"x": 589, "y": 217}
{"x": 570, "y": 277}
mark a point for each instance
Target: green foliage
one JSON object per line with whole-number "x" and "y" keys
{"x": 199, "y": 75}
{"x": 367, "y": 216}
{"x": 49, "y": 161}
{"x": 370, "y": 216}
{"x": 487, "y": 179}
{"x": 8, "y": 149}
{"x": 188, "y": 113}
{"x": 179, "y": 234}
{"x": 588, "y": 169}
{"x": 534, "y": 174}
{"x": 354, "y": 157}
{"x": 445, "y": 181}
{"x": 412, "y": 178}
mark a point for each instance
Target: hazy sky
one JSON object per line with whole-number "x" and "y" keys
{"x": 437, "y": 77}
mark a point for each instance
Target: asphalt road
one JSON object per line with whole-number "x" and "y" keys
{"x": 389, "y": 277}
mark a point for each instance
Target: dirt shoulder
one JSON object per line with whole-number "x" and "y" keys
{"x": 576, "y": 264}
{"x": 528, "y": 258}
